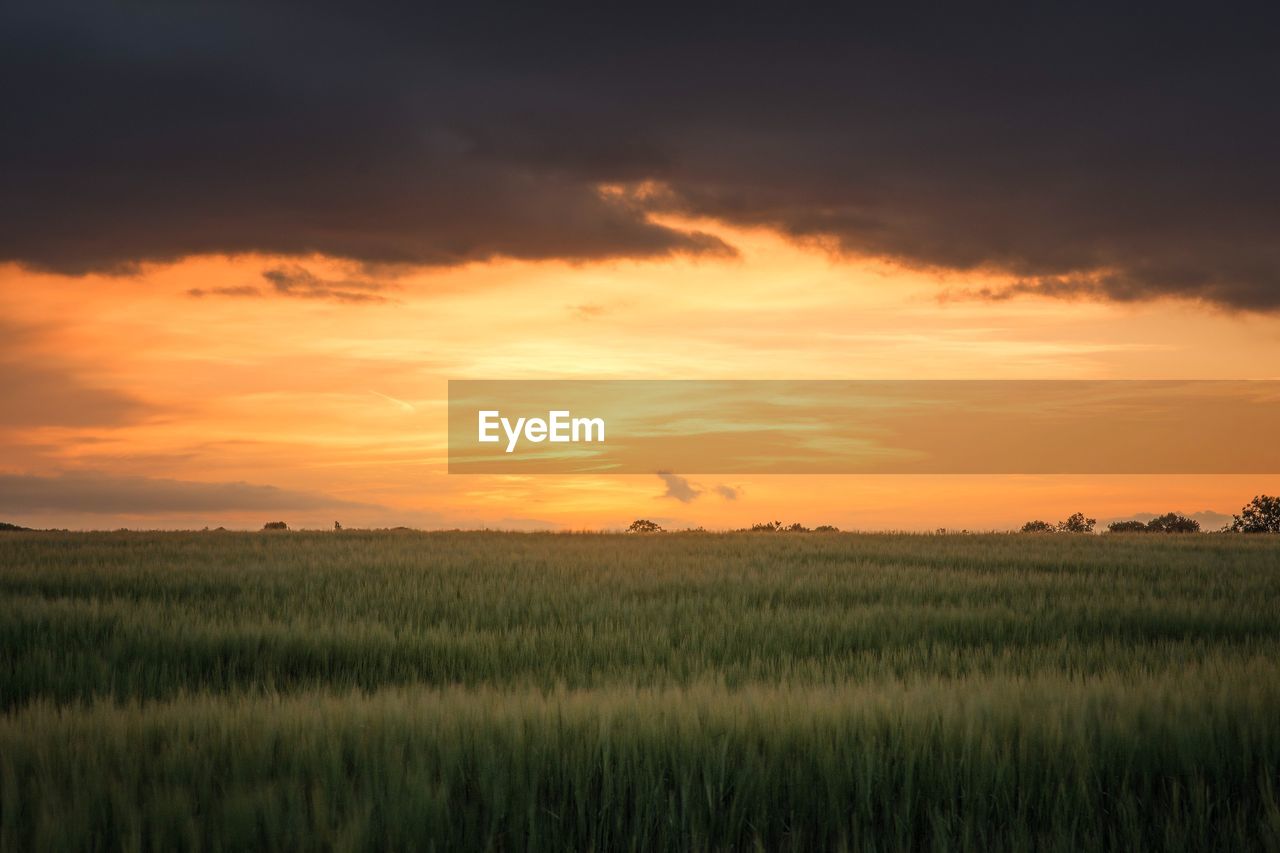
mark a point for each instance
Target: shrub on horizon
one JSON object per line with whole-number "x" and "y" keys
{"x": 1126, "y": 527}
{"x": 1038, "y": 526}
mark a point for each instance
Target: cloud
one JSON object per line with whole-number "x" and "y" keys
{"x": 683, "y": 490}
{"x": 300, "y": 283}
{"x": 40, "y": 389}
{"x": 99, "y": 493}
{"x": 1077, "y": 152}
{"x": 240, "y": 290}
{"x": 587, "y": 311}
{"x": 678, "y": 488}
{"x": 39, "y": 395}
{"x": 402, "y": 405}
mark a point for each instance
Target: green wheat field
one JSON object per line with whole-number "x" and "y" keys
{"x": 699, "y": 691}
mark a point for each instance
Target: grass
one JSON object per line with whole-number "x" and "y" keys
{"x": 685, "y": 691}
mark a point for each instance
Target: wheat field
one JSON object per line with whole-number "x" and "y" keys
{"x": 494, "y": 691}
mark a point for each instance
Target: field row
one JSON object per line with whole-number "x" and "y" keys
{"x": 133, "y": 616}
{"x": 1170, "y": 763}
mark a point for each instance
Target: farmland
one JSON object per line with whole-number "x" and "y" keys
{"x": 373, "y": 690}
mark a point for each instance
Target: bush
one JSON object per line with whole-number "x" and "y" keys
{"x": 275, "y": 525}
{"x": 644, "y": 525}
{"x": 1038, "y": 526}
{"x": 1127, "y": 527}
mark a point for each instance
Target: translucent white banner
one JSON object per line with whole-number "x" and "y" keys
{"x": 864, "y": 427}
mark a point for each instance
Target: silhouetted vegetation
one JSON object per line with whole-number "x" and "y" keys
{"x": 275, "y": 525}
{"x": 1075, "y": 523}
{"x": 1172, "y": 522}
{"x": 644, "y": 525}
{"x": 6, "y": 526}
{"x": 779, "y": 527}
{"x": 1038, "y": 526}
{"x": 1260, "y": 515}
{"x": 1127, "y": 527}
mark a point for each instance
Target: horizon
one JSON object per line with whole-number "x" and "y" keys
{"x": 1209, "y": 521}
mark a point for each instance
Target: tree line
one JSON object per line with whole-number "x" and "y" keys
{"x": 1260, "y": 515}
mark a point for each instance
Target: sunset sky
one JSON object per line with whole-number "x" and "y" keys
{"x": 244, "y": 250}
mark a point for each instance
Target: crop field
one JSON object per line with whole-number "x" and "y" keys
{"x": 490, "y": 691}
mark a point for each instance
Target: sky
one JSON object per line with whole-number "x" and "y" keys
{"x": 244, "y": 249}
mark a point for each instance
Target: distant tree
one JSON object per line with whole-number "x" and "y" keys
{"x": 4, "y": 525}
{"x": 1172, "y": 522}
{"x": 275, "y": 525}
{"x": 797, "y": 527}
{"x": 1038, "y": 526}
{"x": 1077, "y": 523}
{"x": 1260, "y": 515}
{"x": 337, "y": 525}
{"x": 1127, "y": 527}
{"x": 826, "y": 528}
{"x": 644, "y": 525}
{"x": 766, "y": 527}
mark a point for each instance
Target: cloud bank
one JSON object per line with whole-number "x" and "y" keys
{"x": 99, "y": 493}
{"x": 1107, "y": 153}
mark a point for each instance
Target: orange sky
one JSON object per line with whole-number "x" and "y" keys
{"x": 338, "y": 400}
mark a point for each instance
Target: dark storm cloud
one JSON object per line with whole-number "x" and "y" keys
{"x": 106, "y": 493}
{"x": 1110, "y": 154}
